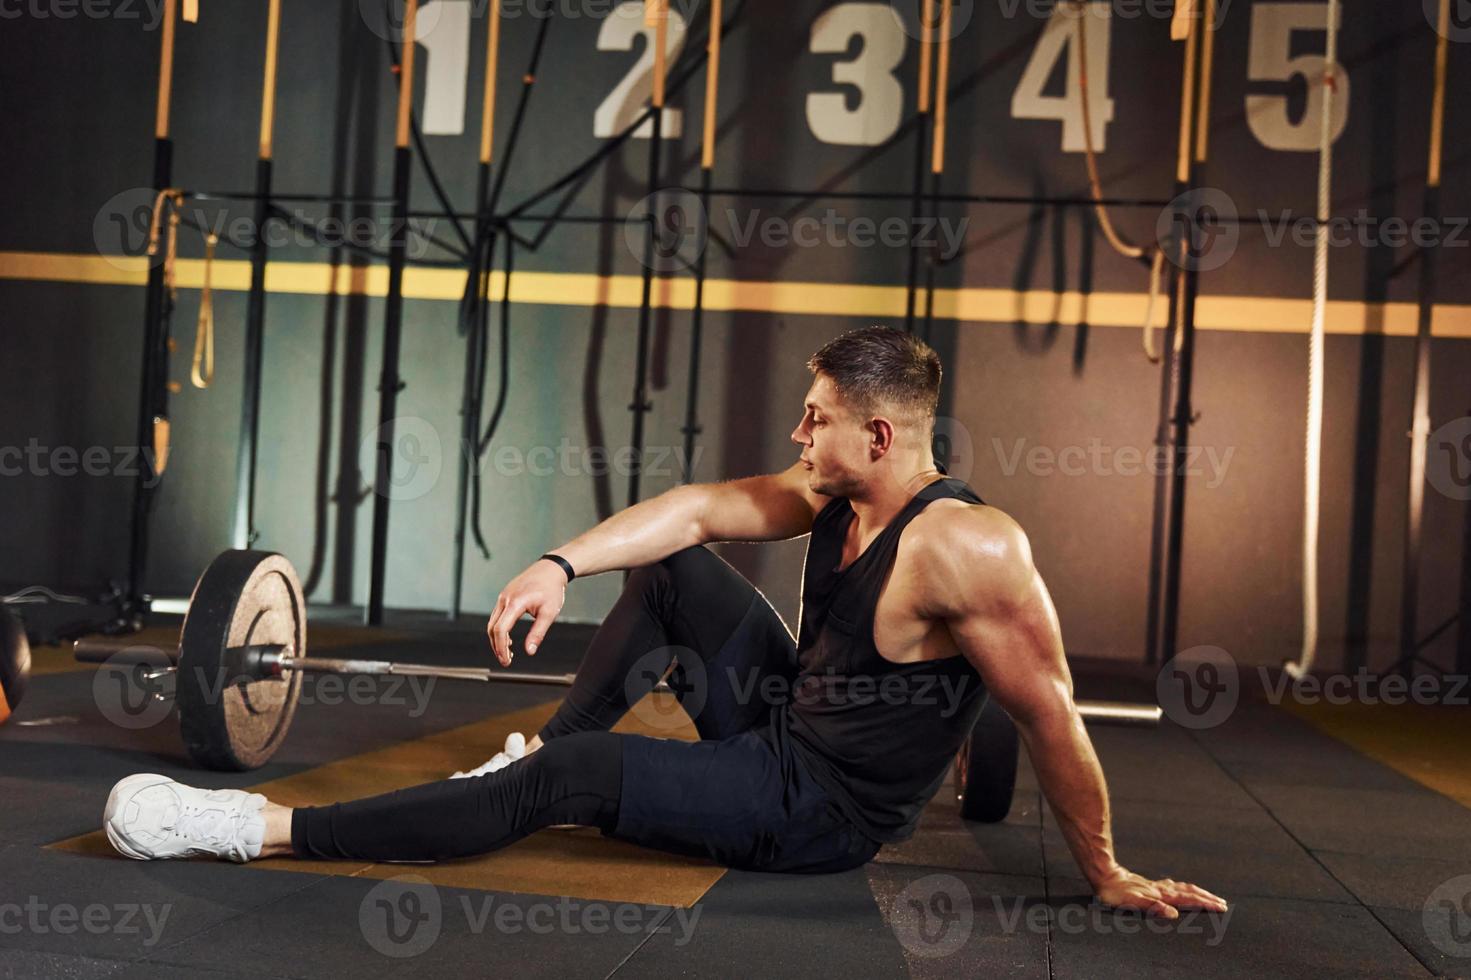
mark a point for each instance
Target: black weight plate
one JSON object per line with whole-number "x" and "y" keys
{"x": 230, "y": 720}
{"x": 15, "y": 662}
{"x": 985, "y": 770}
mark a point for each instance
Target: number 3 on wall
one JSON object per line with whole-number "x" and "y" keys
{"x": 880, "y": 103}
{"x": 1272, "y": 27}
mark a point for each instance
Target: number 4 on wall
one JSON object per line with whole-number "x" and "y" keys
{"x": 1059, "y": 38}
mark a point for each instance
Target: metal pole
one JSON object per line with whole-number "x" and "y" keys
{"x": 244, "y": 534}
{"x": 707, "y": 165}
{"x": 470, "y": 398}
{"x": 692, "y": 391}
{"x": 1168, "y": 515}
{"x": 389, "y": 383}
{"x": 641, "y": 405}
{"x": 153, "y": 395}
{"x": 921, "y": 131}
{"x": 475, "y": 320}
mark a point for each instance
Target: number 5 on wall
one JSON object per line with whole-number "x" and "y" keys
{"x": 1272, "y": 27}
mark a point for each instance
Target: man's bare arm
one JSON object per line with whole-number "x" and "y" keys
{"x": 983, "y": 585}
{"x": 760, "y": 508}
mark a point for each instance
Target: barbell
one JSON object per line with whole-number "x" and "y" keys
{"x": 242, "y": 653}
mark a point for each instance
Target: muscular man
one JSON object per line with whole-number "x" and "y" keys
{"x": 918, "y": 600}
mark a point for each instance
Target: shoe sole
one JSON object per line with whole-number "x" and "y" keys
{"x": 113, "y": 818}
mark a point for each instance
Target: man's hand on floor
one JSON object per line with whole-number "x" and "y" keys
{"x": 1162, "y": 899}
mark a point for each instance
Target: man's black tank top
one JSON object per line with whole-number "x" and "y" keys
{"x": 879, "y": 736}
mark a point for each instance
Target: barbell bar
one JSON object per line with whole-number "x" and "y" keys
{"x": 275, "y": 661}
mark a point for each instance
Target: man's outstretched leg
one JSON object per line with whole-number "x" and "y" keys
{"x": 578, "y": 780}
{"x": 729, "y": 800}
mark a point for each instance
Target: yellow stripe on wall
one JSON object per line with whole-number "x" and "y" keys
{"x": 1242, "y": 314}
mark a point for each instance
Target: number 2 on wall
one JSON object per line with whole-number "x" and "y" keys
{"x": 629, "y": 96}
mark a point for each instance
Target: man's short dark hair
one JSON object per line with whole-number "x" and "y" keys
{"x": 877, "y": 367}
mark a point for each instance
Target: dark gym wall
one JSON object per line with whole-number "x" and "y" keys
{"x": 1028, "y": 371}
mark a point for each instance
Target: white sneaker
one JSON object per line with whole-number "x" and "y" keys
{"x": 151, "y": 817}
{"x": 515, "y": 749}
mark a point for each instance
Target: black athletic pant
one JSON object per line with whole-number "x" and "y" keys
{"x": 728, "y": 797}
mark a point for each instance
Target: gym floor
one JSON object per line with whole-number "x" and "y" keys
{"x": 1333, "y": 848}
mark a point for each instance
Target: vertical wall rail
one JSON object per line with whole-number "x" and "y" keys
{"x": 389, "y": 383}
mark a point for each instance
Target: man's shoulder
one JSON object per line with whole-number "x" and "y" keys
{"x": 954, "y": 523}
{"x": 955, "y": 542}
